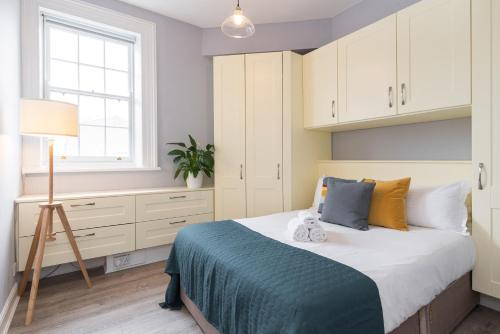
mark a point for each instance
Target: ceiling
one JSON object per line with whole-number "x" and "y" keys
{"x": 211, "y": 13}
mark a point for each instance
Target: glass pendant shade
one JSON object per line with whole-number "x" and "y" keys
{"x": 238, "y": 25}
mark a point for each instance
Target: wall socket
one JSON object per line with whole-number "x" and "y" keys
{"x": 121, "y": 260}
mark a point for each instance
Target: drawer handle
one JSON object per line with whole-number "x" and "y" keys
{"x": 86, "y": 235}
{"x": 178, "y": 222}
{"x": 177, "y": 197}
{"x": 390, "y": 97}
{"x": 86, "y": 204}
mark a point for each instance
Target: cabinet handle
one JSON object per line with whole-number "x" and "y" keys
{"x": 177, "y": 197}
{"x": 390, "y": 97}
{"x": 403, "y": 94}
{"x": 479, "y": 179}
{"x": 178, "y": 222}
{"x": 333, "y": 108}
{"x": 86, "y": 235}
{"x": 279, "y": 177}
{"x": 86, "y": 204}
{"x": 241, "y": 171}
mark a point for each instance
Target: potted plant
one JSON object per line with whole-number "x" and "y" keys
{"x": 192, "y": 162}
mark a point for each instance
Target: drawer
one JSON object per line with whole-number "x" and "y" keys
{"x": 171, "y": 205}
{"x": 163, "y": 232}
{"x": 92, "y": 243}
{"x": 82, "y": 214}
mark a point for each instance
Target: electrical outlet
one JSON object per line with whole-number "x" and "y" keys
{"x": 121, "y": 260}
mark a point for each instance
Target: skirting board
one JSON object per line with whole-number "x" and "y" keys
{"x": 8, "y": 310}
{"x": 490, "y": 302}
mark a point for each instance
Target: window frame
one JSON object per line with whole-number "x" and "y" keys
{"x": 144, "y": 70}
{"x": 129, "y": 41}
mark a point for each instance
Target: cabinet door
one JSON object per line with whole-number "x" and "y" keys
{"x": 320, "y": 86}
{"x": 264, "y": 132}
{"x": 367, "y": 72}
{"x": 229, "y": 137}
{"x": 434, "y": 58}
{"x": 485, "y": 145}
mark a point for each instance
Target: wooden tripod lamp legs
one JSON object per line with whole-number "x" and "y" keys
{"x": 43, "y": 233}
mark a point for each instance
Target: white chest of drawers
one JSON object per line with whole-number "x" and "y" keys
{"x": 107, "y": 223}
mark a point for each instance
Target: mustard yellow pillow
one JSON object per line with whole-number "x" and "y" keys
{"x": 388, "y": 205}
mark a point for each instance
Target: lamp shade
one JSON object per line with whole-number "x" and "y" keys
{"x": 48, "y": 118}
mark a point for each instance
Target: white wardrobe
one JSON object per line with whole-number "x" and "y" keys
{"x": 265, "y": 161}
{"x": 486, "y": 145}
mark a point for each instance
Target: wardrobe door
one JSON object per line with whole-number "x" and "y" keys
{"x": 485, "y": 145}
{"x": 229, "y": 137}
{"x": 264, "y": 133}
{"x": 434, "y": 58}
{"x": 320, "y": 86}
{"x": 367, "y": 72}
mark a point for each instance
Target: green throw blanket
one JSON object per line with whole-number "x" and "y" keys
{"x": 244, "y": 282}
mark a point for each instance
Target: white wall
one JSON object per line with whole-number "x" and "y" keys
{"x": 10, "y": 160}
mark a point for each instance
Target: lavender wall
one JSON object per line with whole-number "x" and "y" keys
{"x": 10, "y": 142}
{"x": 184, "y": 105}
{"x": 270, "y": 37}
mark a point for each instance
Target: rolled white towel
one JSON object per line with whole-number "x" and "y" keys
{"x": 306, "y": 215}
{"x": 317, "y": 234}
{"x": 298, "y": 231}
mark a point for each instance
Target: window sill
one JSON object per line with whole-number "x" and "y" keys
{"x": 82, "y": 170}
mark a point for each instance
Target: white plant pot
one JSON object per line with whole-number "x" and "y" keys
{"x": 194, "y": 182}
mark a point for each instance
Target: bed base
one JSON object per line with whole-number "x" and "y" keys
{"x": 441, "y": 316}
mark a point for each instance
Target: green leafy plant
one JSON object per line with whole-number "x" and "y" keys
{"x": 192, "y": 159}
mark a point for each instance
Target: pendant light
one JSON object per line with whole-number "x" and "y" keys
{"x": 238, "y": 25}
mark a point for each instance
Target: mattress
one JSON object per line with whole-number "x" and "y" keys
{"x": 409, "y": 268}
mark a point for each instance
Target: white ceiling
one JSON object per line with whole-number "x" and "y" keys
{"x": 211, "y": 13}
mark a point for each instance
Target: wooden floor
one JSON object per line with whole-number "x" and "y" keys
{"x": 127, "y": 302}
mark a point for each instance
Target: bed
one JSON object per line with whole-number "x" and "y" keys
{"x": 422, "y": 276}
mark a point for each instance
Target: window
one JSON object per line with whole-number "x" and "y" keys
{"x": 104, "y": 61}
{"x": 94, "y": 70}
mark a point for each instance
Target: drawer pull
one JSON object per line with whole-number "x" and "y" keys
{"x": 86, "y": 235}
{"x": 178, "y": 222}
{"x": 177, "y": 197}
{"x": 86, "y": 204}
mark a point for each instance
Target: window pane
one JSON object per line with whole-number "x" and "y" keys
{"x": 63, "y": 74}
{"x": 117, "y": 56}
{"x": 66, "y": 146}
{"x": 63, "y": 44}
{"x": 64, "y": 97}
{"x": 91, "y": 141}
{"x": 91, "y": 110}
{"x": 117, "y": 142}
{"x": 91, "y": 79}
{"x": 117, "y": 83}
{"x": 91, "y": 51}
{"x": 116, "y": 113}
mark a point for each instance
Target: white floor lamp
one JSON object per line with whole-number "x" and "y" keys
{"x": 47, "y": 118}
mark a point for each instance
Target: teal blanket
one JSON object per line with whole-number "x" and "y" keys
{"x": 244, "y": 282}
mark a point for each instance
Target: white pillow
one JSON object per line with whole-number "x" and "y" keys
{"x": 442, "y": 208}
{"x": 317, "y": 193}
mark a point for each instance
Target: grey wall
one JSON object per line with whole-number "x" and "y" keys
{"x": 270, "y": 37}
{"x": 184, "y": 105}
{"x": 441, "y": 140}
{"x": 365, "y": 13}
{"x": 10, "y": 148}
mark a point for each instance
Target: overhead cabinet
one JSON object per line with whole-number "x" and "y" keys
{"x": 263, "y": 154}
{"x": 409, "y": 67}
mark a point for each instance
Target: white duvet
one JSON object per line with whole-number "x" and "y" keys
{"x": 409, "y": 268}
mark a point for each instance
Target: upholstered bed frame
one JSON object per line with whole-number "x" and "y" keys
{"x": 452, "y": 305}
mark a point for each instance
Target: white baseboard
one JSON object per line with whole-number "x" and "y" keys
{"x": 8, "y": 310}
{"x": 490, "y": 302}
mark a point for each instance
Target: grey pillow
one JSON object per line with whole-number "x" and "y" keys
{"x": 348, "y": 204}
{"x": 334, "y": 179}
